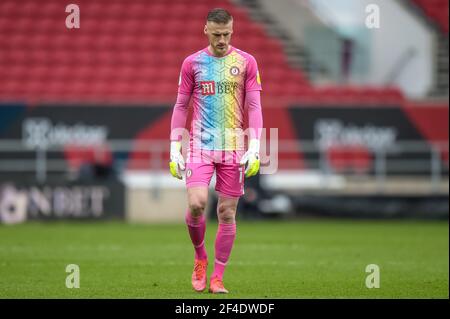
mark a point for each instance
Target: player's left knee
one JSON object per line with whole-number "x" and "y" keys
{"x": 226, "y": 214}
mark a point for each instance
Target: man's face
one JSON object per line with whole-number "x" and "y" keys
{"x": 219, "y": 36}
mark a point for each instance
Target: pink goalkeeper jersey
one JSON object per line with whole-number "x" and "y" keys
{"x": 218, "y": 86}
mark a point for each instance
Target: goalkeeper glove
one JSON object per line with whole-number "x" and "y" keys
{"x": 176, "y": 160}
{"x": 251, "y": 158}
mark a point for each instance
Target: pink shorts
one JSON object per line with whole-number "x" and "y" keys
{"x": 229, "y": 174}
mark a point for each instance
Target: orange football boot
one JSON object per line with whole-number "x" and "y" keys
{"x": 199, "y": 275}
{"x": 216, "y": 286}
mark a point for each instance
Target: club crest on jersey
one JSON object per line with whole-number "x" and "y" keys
{"x": 234, "y": 70}
{"x": 208, "y": 87}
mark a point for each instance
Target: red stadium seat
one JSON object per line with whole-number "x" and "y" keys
{"x": 134, "y": 50}
{"x": 436, "y": 10}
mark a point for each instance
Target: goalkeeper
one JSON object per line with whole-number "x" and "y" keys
{"x": 225, "y": 86}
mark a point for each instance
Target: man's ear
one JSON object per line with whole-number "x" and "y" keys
{"x": 205, "y": 30}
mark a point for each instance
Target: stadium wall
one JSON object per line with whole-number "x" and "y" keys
{"x": 73, "y": 134}
{"x": 65, "y": 126}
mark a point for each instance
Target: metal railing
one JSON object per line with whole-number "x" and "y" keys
{"x": 407, "y": 158}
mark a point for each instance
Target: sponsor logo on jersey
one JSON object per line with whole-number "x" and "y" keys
{"x": 227, "y": 87}
{"x": 221, "y": 87}
{"x": 258, "y": 79}
{"x": 208, "y": 87}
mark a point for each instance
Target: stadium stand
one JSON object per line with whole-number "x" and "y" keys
{"x": 118, "y": 54}
{"x": 130, "y": 52}
{"x": 435, "y": 14}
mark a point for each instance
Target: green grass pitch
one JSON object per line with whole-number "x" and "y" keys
{"x": 301, "y": 259}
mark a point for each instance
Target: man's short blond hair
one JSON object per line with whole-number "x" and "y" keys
{"x": 219, "y": 15}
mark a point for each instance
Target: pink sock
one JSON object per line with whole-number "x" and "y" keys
{"x": 224, "y": 243}
{"x": 197, "y": 228}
